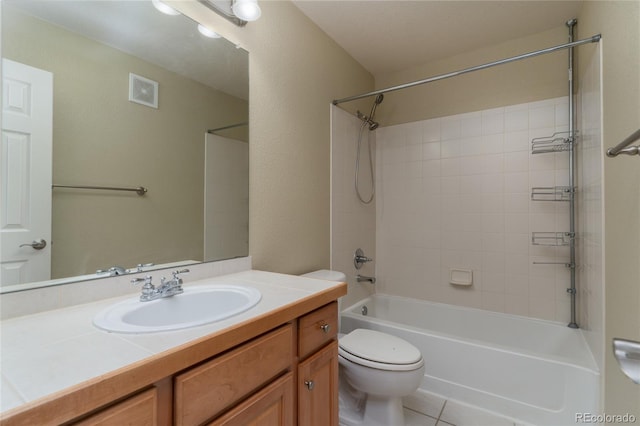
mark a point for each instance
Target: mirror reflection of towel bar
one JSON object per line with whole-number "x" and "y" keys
{"x": 140, "y": 190}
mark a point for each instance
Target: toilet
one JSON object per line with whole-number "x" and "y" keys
{"x": 376, "y": 371}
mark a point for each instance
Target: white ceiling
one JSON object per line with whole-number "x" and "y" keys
{"x": 137, "y": 28}
{"x": 393, "y": 35}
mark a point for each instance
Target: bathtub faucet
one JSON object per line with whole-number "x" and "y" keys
{"x": 363, "y": 278}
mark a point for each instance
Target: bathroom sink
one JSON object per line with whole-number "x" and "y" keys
{"x": 196, "y": 306}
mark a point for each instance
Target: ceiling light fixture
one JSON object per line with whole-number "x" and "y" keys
{"x": 247, "y": 10}
{"x": 207, "y": 32}
{"x": 164, "y": 8}
{"x": 237, "y": 11}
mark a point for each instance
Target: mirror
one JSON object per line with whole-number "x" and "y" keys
{"x": 139, "y": 98}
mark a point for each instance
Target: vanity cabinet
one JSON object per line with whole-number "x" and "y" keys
{"x": 318, "y": 367}
{"x": 280, "y": 370}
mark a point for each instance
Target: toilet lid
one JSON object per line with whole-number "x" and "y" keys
{"x": 379, "y": 347}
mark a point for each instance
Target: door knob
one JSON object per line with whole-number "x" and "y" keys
{"x": 36, "y": 244}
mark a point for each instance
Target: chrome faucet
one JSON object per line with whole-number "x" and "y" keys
{"x": 148, "y": 290}
{"x": 359, "y": 259}
{"x": 167, "y": 288}
{"x": 140, "y": 266}
{"x": 364, "y": 278}
{"x": 113, "y": 271}
{"x": 117, "y": 270}
{"x": 173, "y": 286}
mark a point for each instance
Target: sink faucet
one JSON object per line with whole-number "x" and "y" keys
{"x": 113, "y": 271}
{"x": 167, "y": 288}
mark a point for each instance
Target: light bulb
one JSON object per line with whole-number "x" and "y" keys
{"x": 247, "y": 10}
{"x": 207, "y": 32}
{"x": 164, "y": 8}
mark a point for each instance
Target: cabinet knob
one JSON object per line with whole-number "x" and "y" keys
{"x": 325, "y": 327}
{"x": 309, "y": 384}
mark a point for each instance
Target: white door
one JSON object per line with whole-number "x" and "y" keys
{"x": 25, "y": 186}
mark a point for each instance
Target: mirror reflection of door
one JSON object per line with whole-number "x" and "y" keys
{"x": 226, "y": 199}
{"x": 25, "y": 193}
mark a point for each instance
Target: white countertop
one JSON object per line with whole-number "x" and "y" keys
{"x": 53, "y": 350}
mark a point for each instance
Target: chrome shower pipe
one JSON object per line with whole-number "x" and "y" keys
{"x": 593, "y": 39}
{"x": 572, "y": 181}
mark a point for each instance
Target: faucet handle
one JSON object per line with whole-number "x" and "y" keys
{"x": 359, "y": 259}
{"x": 178, "y": 272}
{"x": 147, "y": 281}
{"x": 148, "y": 289}
{"x": 139, "y": 266}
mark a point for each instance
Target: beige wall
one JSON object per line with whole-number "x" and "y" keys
{"x": 618, "y": 21}
{"x": 295, "y": 71}
{"x": 100, "y": 138}
{"x": 534, "y": 79}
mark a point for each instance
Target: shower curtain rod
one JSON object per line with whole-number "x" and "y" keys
{"x": 232, "y": 126}
{"x": 593, "y": 39}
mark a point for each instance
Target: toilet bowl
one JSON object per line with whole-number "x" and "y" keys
{"x": 375, "y": 371}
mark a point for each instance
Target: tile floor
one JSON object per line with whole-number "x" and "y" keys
{"x": 427, "y": 409}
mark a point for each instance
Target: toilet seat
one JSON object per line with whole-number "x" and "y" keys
{"x": 378, "y": 350}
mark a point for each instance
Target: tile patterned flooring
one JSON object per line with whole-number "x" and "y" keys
{"x": 427, "y": 409}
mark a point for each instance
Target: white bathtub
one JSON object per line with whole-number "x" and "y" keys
{"x": 537, "y": 372}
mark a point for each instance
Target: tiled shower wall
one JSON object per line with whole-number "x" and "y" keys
{"x": 454, "y": 193}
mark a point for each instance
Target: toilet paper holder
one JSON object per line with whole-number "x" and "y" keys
{"x": 627, "y": 352}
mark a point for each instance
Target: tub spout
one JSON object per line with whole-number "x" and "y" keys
{"x": 363, "y": 278}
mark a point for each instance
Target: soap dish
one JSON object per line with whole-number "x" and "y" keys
{"x": 461, "y": 277}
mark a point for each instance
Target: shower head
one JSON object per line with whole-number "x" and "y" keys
{"x": 367, "y": 120}
{"x": 379, "y": 98}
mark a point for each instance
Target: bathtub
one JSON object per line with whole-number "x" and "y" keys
{"x": 533, "y": 371}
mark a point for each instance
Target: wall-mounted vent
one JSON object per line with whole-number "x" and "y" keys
{"x": 143, "y": 91}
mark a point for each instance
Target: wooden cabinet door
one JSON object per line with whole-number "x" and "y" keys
{"x": 318, "y": 388}
{"x": 206, "y": 391}
{"x": 139, "y": 410}
{"x": 272, "y": 406}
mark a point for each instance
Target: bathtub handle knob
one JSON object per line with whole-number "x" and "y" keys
{"x": 309, "y": 384}
{"x": 325, "y": 327}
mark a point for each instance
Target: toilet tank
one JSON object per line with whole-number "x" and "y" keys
{"x": 326, "y": 274}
